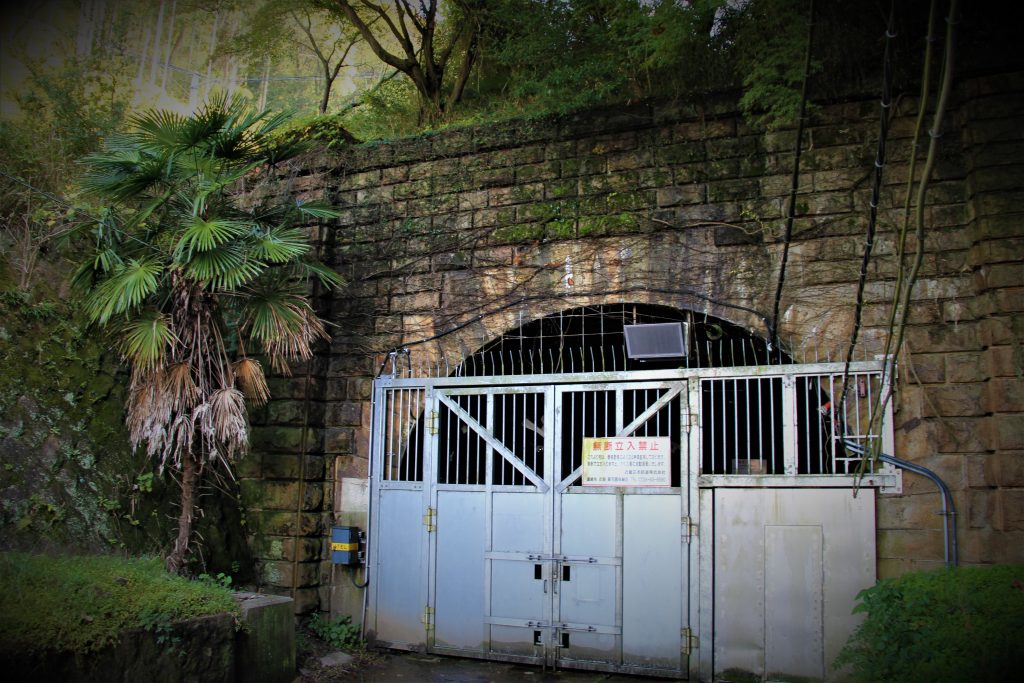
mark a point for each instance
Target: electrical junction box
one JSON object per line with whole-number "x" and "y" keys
{"x": 345, "y": 545}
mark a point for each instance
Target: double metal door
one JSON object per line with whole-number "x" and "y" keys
{"x": 527, "y": 564}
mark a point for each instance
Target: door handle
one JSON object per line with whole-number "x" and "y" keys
{"x": 545, "y": 585}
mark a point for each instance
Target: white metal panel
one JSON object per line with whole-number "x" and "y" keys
{"x": 653, "y": 577}
{"x": 398, "y": 585}
{"x": 754, "y": 596}
{"x": 459, "y": 575}
{"x": 793, "y": 590}
{"x": 590, "y": 521}
{"x": 519, "y": 522}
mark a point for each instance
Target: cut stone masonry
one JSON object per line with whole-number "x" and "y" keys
{"x": 459, "y": 236}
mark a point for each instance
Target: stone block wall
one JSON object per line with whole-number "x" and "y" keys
{"x": 449, "y": 240}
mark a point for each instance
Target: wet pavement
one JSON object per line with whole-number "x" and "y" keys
{"x": 414, "y": 667}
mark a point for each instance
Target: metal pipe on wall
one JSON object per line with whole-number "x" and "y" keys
{"x": 948, "y": 507}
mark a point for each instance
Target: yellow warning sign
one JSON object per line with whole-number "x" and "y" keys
{"x": 627, "y": 461}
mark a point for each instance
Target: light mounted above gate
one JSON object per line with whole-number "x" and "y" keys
{"x": 656, "y": 340}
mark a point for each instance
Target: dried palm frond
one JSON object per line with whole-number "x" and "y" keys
{"x": 227, "y": 418}
{"x": 251, "y": 379}
{"x": 180, "y": 386}
{"x": 149, "y": 411}
{"x": 294, "y": 340}
{"x": 179, "y": 441}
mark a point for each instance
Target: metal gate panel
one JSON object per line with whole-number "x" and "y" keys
{"x": 793, "y": 563}
{"x": 788, "y": 564}
{"x": 593, "y": 546}
{"x": 587, "y": 580}
{"x": 399, "y": 599}
{"x": 654, "y": 584}
{"x": 519, "y": 578}
{"x": 458, "y": 597}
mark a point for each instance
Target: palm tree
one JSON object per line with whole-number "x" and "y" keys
{"x": 191, "y": 285}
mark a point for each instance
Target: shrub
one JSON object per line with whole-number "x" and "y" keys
{"x": 947, "y": 625}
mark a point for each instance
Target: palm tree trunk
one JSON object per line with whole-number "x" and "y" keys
{"x": 189, "y": 484}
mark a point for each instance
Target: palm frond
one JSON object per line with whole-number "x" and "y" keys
{"x": 328, "y": 277}
{"x": 224, "y": 267}
{"x": 126, "y": 289}
{"x": 180, "y": 386}
{"x": 149, "y": 412}
{"x": 123, "y": 176}
{"x": 227, "y": 419}
{"x": 147, "y": 340}
{"x": 280, "y": 245}
{"x": 284, "y": 323}
{"x": 251, "y": 379}
{"x": 317, "y": 210}
{"x": 203, "y": 235}
{"x": 159, "y": 130}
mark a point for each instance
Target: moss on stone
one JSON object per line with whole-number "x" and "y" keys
{"x": 523, "y": 232}
{"x": 81, "y": 604}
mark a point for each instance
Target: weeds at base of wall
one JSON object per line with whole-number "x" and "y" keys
{"x": 340, "y": 633}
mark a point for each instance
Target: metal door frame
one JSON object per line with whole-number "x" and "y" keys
{"x": 554, "y": 485}
{"x": 700, "y": 589}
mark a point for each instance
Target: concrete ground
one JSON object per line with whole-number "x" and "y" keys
{"x": 416, "y": 668}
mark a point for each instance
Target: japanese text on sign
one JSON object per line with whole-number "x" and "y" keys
{"x": 627, "y": 461}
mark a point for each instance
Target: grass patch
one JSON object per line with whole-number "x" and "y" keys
{"x": 81, "y": 604}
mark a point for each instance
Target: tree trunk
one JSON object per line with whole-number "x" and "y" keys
{"x": 142, "y": 59}
{"x": 171, "y": 43}
{"x": 157, "y": 37}
{"x": 207, "y": 85}
{"x": 265, "y": 83}
{"x": 189, "y": 485}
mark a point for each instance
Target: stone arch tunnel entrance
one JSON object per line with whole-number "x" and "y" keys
{"x": 557, "y": 499}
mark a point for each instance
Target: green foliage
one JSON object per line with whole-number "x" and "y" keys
{"x": 340, "y": 633}
{"x": 80, "y": 604}
{"x": 771, "y": 39}
{"x": 328, "y": 131}
{"x": 947, "y": 625}
{"x": 561, "y": 56}
{"x": 219, "y": 579}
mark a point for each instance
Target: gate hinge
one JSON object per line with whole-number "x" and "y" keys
{"x": 690, "y": 641}
{"x": 692, "y": 420}
{"x": 428, "y": 617}
{"x": 432, "y": 422}
{"x": 689, "y": 528}
{"x": 429, "y": 519}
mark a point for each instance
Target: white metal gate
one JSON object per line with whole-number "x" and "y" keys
{"x": 484, "y": 544}
{"x": 522, "y": 562}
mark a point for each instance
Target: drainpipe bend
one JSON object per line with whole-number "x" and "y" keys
{"x": 948, "y": 506}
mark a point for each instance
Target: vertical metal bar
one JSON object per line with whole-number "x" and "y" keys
{"x": 772, "y": 421}
{"x": 758, "y": 422}
{"x": 748, "y": 407}
{"x": 389, "y": 434}
{"x": 397, "y": 453}
{"x": 416, "y": 449}
{"x": 403, "y": 438}
{"x": 453, "y": 474}
{"x": 823, "y": 424}
{"x": 803, "y": 420}
{"x": 408, "y": 448}
{"x": 483, "y": 451}
{"x": 736, "y": 418}
{"x": 789, "y": 425}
